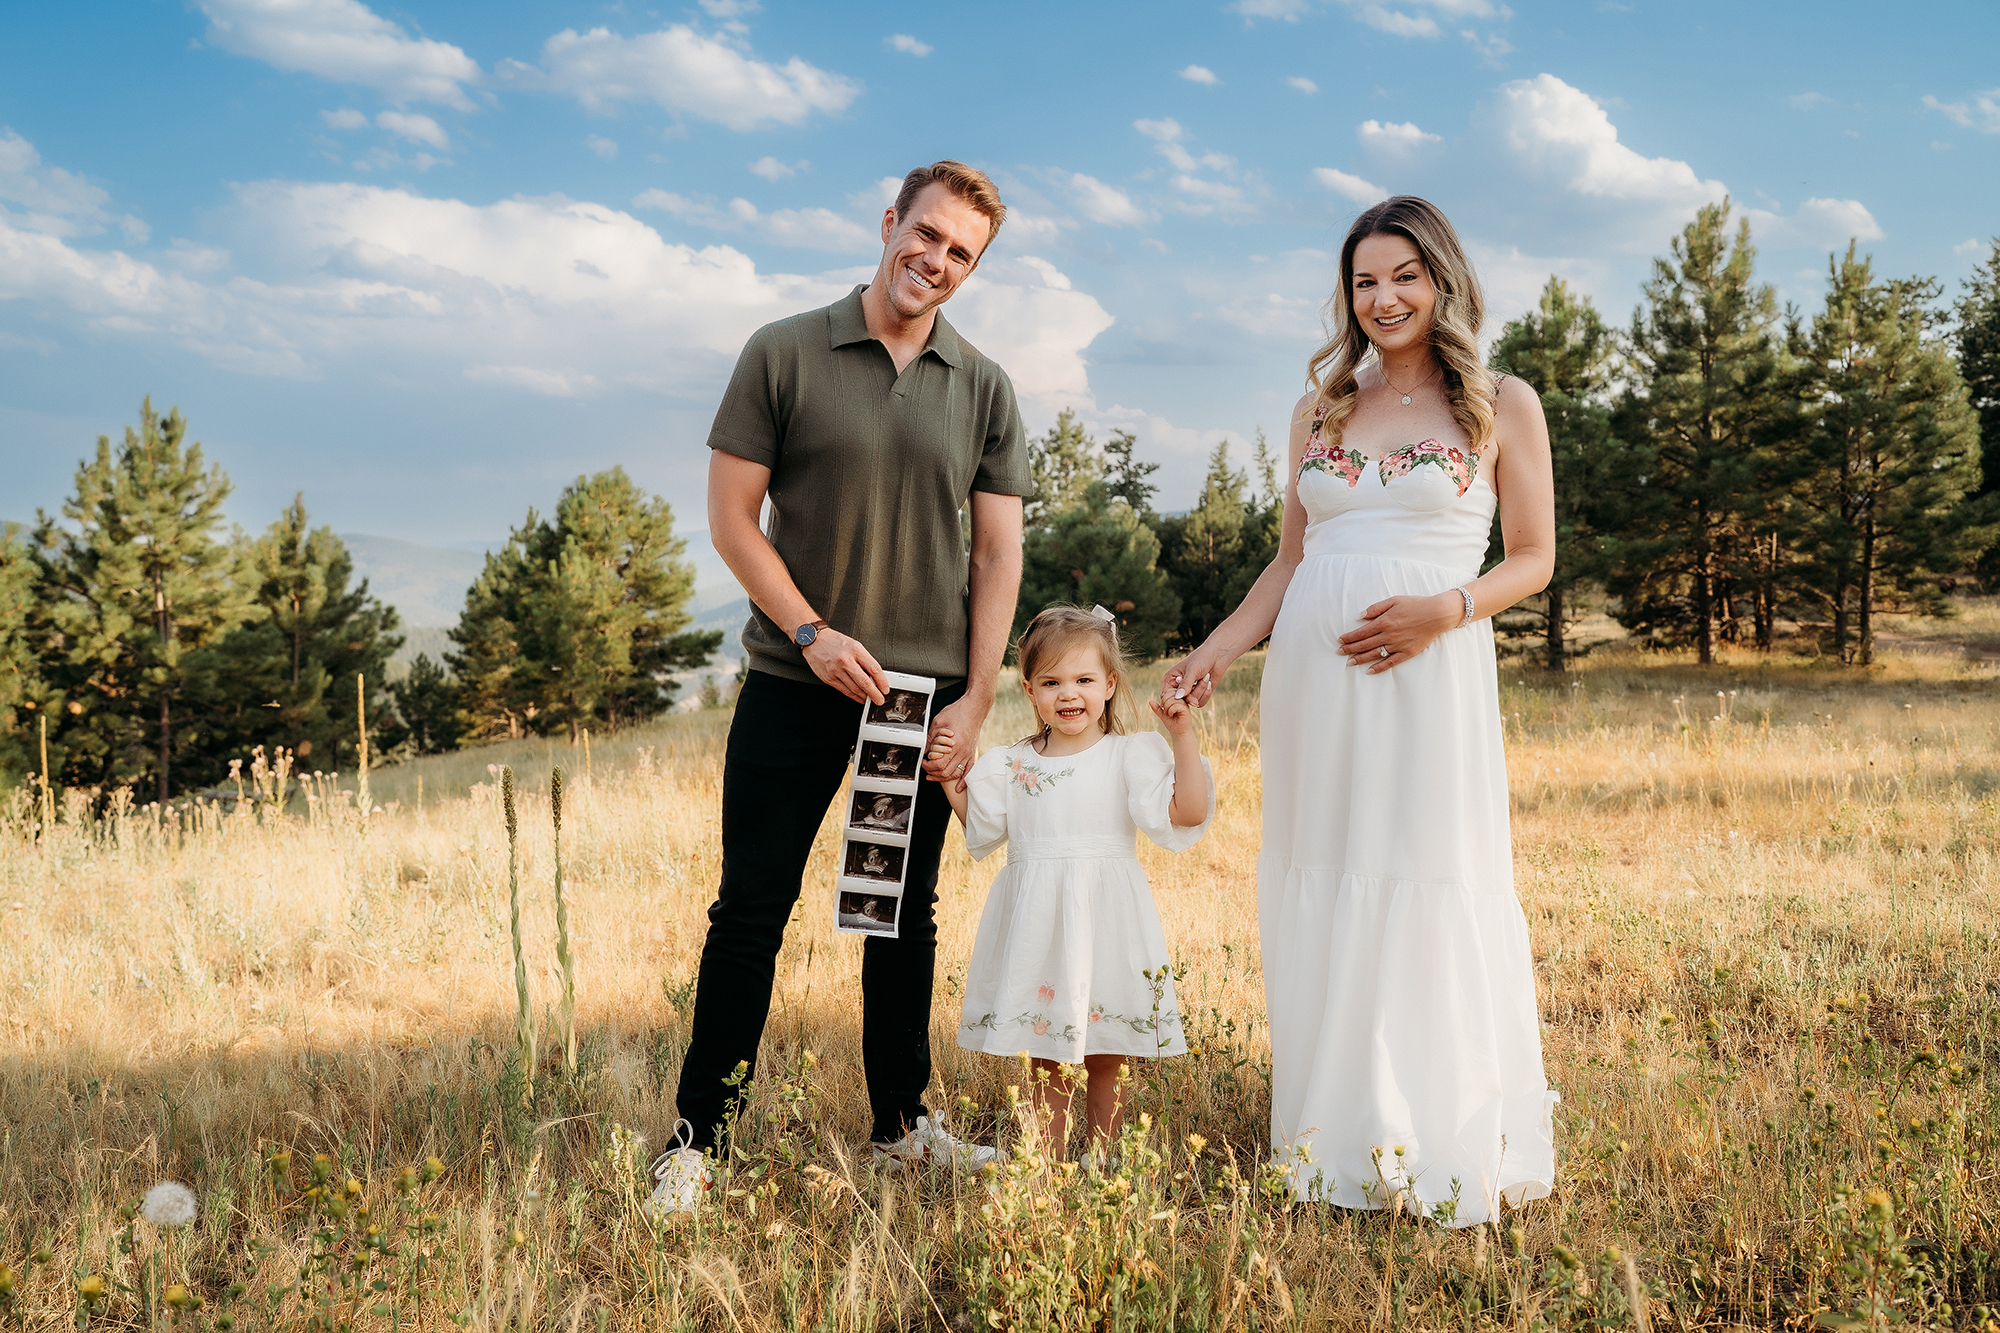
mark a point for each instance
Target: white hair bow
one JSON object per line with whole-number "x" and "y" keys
{"x": 1104, "y": 615}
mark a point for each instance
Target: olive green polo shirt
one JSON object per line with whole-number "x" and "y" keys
{"x": 869, "y": 470}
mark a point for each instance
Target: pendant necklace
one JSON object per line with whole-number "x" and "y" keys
{"x": 1413, "y": 388}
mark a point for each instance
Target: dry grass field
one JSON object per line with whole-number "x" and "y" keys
{"x": 1762, "y": 898}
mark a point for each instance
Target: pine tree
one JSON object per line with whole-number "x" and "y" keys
{"x": 1713, "y": 401}
{"x": 1563, "y": 351}
{"x": 428, "y": 700}
{"x": 1101, "y": 553}
{"x": 1218, "y": 549}
{"x": 1126, "y": 477}
{"x": 1062, "y": 463}
{"x": 576, "y": 623}
{"x": 317, "y": 635}
{"x": 1978, "y": 318}
{"x": 22, "y": 695}
{"x": 1895, "y": 448}
{"x": 129, "y": 594}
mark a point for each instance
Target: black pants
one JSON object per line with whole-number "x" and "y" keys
{"x": 789, "y": 747}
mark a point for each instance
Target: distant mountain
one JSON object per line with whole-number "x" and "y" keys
{"x": 426, "y": 584}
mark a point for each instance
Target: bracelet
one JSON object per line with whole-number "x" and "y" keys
{"x": 1466, "y": 593}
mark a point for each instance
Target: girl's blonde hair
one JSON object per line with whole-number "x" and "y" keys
{"x": 1054, "y": 634}
{"x": 1460, "y": 309}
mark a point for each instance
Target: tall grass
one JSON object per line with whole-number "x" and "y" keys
{"x": 1764, "y": 937}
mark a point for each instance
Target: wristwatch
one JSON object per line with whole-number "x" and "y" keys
{"x": 804, "y": 635}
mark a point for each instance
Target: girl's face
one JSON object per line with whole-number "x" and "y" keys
{"x": 1070, "y": 695}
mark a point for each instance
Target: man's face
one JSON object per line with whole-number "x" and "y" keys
{"x": 930, "y": 252}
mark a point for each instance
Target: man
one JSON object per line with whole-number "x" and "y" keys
{"x": 868, "y": 426}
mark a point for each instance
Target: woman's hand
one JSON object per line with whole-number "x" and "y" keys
{"x": 1194, "y": 678}
{"x": 1404, "y": 626}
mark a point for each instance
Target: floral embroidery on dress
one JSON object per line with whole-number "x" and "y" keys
{"x": 1435, "y": 452}
{"x": 1322, "y": 457}
{"x": 1044, "y": 1026}
{"x": 1033, "y": 781}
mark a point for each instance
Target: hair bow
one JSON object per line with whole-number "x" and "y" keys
{"x": 1104, "y": 615}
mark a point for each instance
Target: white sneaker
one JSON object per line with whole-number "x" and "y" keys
{"x": 680, "y": 1176}
{"x": 930, "y": 1141}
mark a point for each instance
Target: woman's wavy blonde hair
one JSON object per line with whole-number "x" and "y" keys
{"x": 1468, "y": 386}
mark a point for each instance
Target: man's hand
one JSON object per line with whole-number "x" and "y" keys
{"x": 844, "y": 664}
{"x": 954, "y": 741}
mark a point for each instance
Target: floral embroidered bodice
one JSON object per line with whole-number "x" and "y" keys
{"x": 1427, "y": 500}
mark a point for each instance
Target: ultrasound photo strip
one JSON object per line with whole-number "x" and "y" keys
{"x": 881, "y": 807}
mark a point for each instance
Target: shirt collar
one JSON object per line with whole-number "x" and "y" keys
{"x": 850, "y": 325}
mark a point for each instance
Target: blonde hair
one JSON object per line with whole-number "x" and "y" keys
{"x": 1468, "y": 385}
{"x": 1053, "y": 634}
{"x": 968, "y": 183}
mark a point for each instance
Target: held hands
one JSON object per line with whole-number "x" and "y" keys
{"x": 1178, "y": 717}
{"x": 844, "y": 664}
{"x": 949, "y": 752}
{"x": 1194, "y": 679}
{"x": 1404, "y": 626}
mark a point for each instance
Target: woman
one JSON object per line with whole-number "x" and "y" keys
{"x": 1406, "y": 1055}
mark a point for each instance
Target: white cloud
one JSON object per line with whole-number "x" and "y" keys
{"x": 681, "y": 70}
{"x": 1979, "y": 111}
{"x": 1167, "y": 130}
{"x": 343, "y": 41}
{"x": 771, "y": 169}
{"x": 909, "y": 45}
{"x": 1105, "y": 203}
{"x": 1353, "y": 187}
{"x": 731, "y": 9}
{"x": 1288, "y": 10}
{"x": 1398, "y": 24}
{"x": 1823, "y": 224}
{"x": 603, "y": 147}
{"x": 417, "y": 129}
{"x": 1205, "y": 196}
{"x": 1303, "y": 84}
{"x": 1967, "y": 249}
{"x": 1808, "y": 101}
{"x": 1562, "y": 130}
{"x": 1027, "y": 315}
{"x": 1200, "y": 74}
{"x": 804, "y": 228}
{"x": 882, "y": 194}
{"x": 58, "y": 202}
{"x": 554, "y": 383}
{"x": 347, "y": 118}
{"x": 1396, "y": 139}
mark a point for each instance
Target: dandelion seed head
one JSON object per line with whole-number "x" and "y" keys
{"x": 168, "y": 1204}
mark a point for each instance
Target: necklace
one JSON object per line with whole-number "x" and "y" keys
{"x": 1413, "y": 388}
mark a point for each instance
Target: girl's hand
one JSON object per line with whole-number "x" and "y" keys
{"x": 1175, "y": 713}
{"x": 1403, "y": 625}
{"x": 1194, "y": 679}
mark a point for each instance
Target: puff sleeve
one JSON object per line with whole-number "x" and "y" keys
{"x": 986, "y": 804}
{"x": 1149, "y": 791}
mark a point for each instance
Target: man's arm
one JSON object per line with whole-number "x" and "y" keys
{"x": 995, "y": 585}
{"x": 736, "y": 489}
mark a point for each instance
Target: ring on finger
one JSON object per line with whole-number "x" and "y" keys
{"x": 1383, "y": 651}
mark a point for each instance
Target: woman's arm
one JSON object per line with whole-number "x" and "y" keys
{"x": 1524, "y": 479}
{"x": 1250, "y": 624}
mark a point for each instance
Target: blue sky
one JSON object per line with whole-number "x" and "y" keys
{"x": 426, "y": 262}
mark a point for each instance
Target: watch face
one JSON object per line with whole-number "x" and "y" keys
{"x": 804, "y": 635}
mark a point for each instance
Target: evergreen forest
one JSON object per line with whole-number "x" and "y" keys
{"x": 1728, "y": 472}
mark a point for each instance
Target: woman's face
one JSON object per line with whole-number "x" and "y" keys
{"x": 1394, "y": 301}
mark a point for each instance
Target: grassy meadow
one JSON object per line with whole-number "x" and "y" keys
{"x": 1762, "y": 899}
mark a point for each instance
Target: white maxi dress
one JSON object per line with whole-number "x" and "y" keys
{"x": 1405, "y": 1041}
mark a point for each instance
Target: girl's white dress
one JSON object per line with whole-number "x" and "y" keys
{"x": 1397, "y": 968}
{"x": 1070, "y": 930}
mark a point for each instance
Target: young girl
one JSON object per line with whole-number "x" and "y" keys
{"x": 1070, "y": 930}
